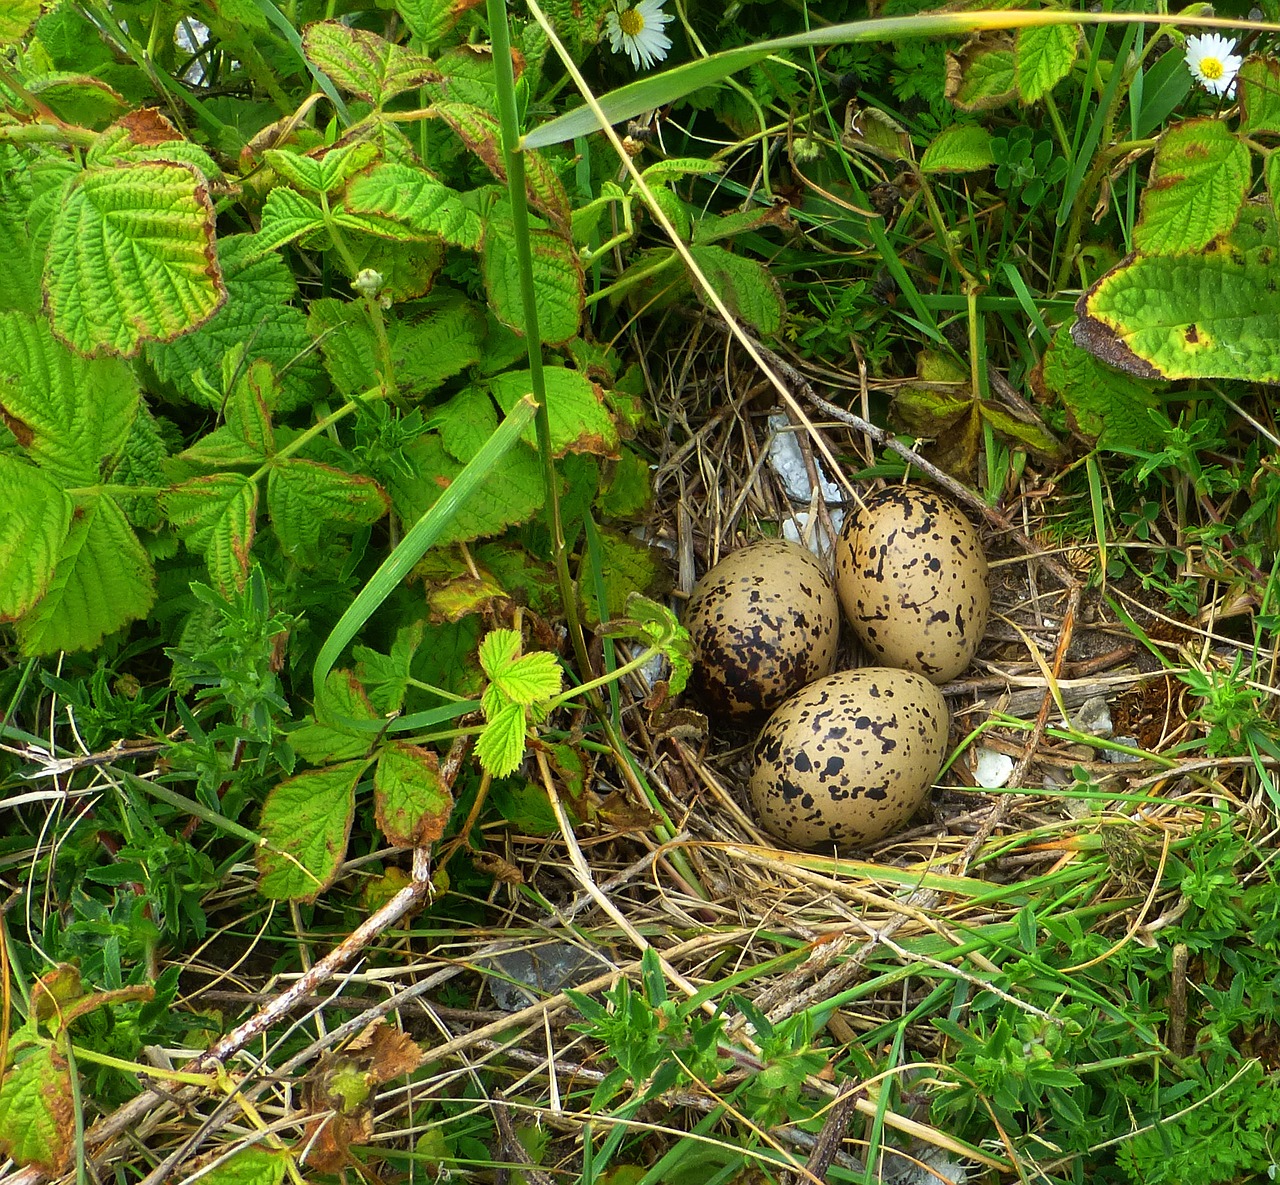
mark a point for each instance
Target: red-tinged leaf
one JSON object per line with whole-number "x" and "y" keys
{"x": 37, "y": 1117}
{"x": 306, "y": 821}
{"x": 364, "y": 64}
{"x": 411, "y": 802}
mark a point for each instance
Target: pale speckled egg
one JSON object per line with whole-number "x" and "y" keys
{"x": 763, "y": 622}
{"x": 912, "y": 580}
{"x": 850, "y": 758}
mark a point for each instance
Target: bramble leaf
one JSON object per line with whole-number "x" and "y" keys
{"x": 557, "y": 278}
{"x": 326, "y": 735}
{"x": 322, "y": 174}
{"x": 409, "y": 197}
{"x": 981, "y": 75}
{"x": 1042, "y": 58}
{"x": 1258, "y": 85}
{"x": 249, "y": 1166}
{"x": 1206, "y": 314}
{"x": 37, "y": 1116}
{"x": 286, "y": 215}
{"x": 1197, "y": 188}
{"x": 308, "y": 818}
{"x": 580, "y": 421}
{"x": 131, "y": 258}
{"x": 430, "y": 20}
{"x": 305, "y": 499}
{"x": 364, "y": 64}
{"x": 959, "y": 149}
{"x": 500, "y": 748}
{"x": 68, "y": 412}
{"x": 102, "y": 580}
{"x": 35, "y": 514}
{"x": 745, "y": 285}
{"x": 217, "y": 516}
{"x": 386, "y": 676}
{"x": 411, "y": 803}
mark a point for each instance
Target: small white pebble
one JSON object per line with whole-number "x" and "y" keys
{"x": 1094, "y": 717}
{"x": 787, "y": 461}
{"x": 795, "y": 528}
{"x": 991, "y": 770}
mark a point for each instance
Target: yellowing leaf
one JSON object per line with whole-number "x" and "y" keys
{"x": 500, "y": 748}
{"x": 131, "y": 258}
{"x": 1197, "y": 188}
{"x": 364, "y": 64}
{"x": 981, "y": 75}
{"x": 102, "y": 580}
{"x": 249, "y": 1166}
{"x": 217, "y": 516}
{"x": 534, "y": 677}
{"x": 580, "y": 421}
{"x": 35, "y": 514}
{"x": 411, "y": 803}
{"x": 37, "y": 1120}
{"x": 306, "y": 821}
{"x": 1042, "y": 58}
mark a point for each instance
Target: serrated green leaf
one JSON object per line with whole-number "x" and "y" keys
{"x": 322, "y": 174}
{"x": 35, "y": 514}
{"x": 580, "y": 421}
{"x": 430, "y": 20}
{"x": 465, "y": 422}
{"x": 500, "y": 748}
{"x": 1258, "y": 85}
{"x": 1197, "y": 188}
{"x": 557, "y": 278}
{"x": 411, "y": 803}
{"x": 16, "y": 18}
{"x": 78, "y": 99}
{"x": 410, "y": 197}
{"x": 498, "y": 650}
{"x": 306, "y": 499}
{"x": 1104, "y": 405}
{"x": 981, "y": 76}
{"x": 513, "y": 494}
{"x": 146, "y": 136}
{"x": 131, "y": 258}
{"x": 745, "y": 285}
{"x": 326, "y": 734}
{"x": 37, "y": 1113}
{"x": 1211, "y": 314}
{"x": 1042, "y": 58}
{"x": 68, "y": 412}
{"x": 217, "y": 516}
{"x": 142, "y": 463}
{"x": 386, "y": 676}
{"x": 249, "y": 1166}
{"x": 434, "y": 341}
{"x": 533, "y": 677}
{"x": 102, "y": 580}
{"x": 20, "y": 262}
{"x": 258, "y": 315}
{"x": 286, "y": 215}
{"x": 364, "y": 64}
{"x": 306, "y": 821}
{"x": 960, "y": 149}
{"x": 628, "y": 486}
{"x": 629, "y": 567}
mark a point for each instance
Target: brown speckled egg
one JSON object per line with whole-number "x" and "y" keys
{"x": 912, "y": 580}
{"x": 764, "y": 622}
{"x": 850, "y": 758}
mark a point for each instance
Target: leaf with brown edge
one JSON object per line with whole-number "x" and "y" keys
{"x": 37, "y": 1113}
{"x": 364, "y": 64}
{"x": 411, "y": 803}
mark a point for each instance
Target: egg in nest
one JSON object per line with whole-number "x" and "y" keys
{"x": 850, "y": 758}
{"x": 912, "y": 579}
{"x": 763, "y": 622}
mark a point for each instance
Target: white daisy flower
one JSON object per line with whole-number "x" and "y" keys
{"x": 1211, "y": 62}
{"x": 637, "y": 30}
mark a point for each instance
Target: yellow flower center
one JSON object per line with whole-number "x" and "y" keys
{"x": 632, "y": 23}
{"x": 1212, "y": 69}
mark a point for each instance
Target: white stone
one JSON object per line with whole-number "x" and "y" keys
{"x": 991, "y": 770}
{"x": 787, "y": 461}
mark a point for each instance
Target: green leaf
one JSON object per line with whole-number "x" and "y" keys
{"x": 249, "y": 1166}
{"x": 1104, "y": 405}
{"x": 1258, "y": 85}
{"x": 500, "y": 748}
{"x": 411, "y": 198}
{"x": 982, "y": 75}
{"x": 322, "y": 174}
{"x": 1197, "y": 187}
{"x": 959, "y": 149}
{"x": 557, "y": 278}
{"x": 534, "y": 677}
{"x": 146, "y": 136}
{"x": 16, "y": 17}
{"x": 286, "y": 215}
{"x": 77, "y": 98}
{"x": 386, "y": 676}
{"x": 628, "y": 487}
{"x": 102, "y": 580}
{"x": 259, "y": 315}
{"x": 37, "y": 1113}
{"x": 35, "y": 514}
{"x": 629, "y": 567}
{"x": 430, "y": 20}
{"x": 745, "y": 285}
{"x": 580, "y": 420}
{"x": 306, "y": 821}
{"x": 1042, "y": 58}
{"x": 217, "y": 516}
{"x": 411, "y": 803}
{"x": 20, "y": 261}
{"x": 68, "y": 412}
{"x": 327, "y": 735}
{"x": 364, "y": 64}
{"x": 306, "y": 499}
{"x": 465, "y": 422}
{"x": 1211, "y": 314}
{"x": 498, "y": 649}
{"x": 131, "y": 258}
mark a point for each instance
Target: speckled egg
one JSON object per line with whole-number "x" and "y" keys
{"x": 912, "y": 580}
{"x": 764, "y": 622}
{"x": 850, "y": 758}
